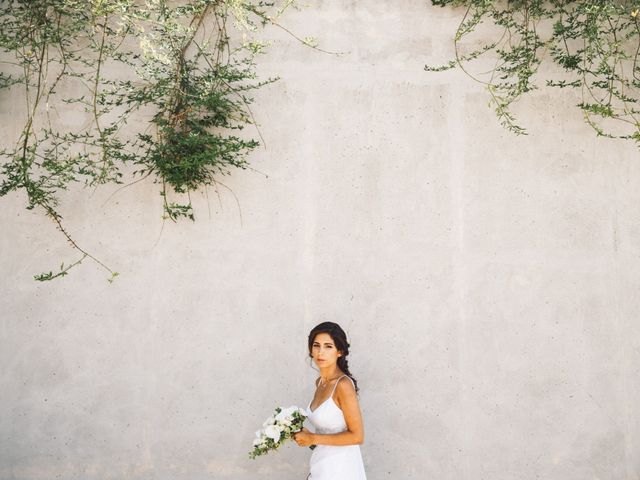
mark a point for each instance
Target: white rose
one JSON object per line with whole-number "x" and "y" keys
{"x": 285, "y": 413}
{"x": 273, "y": 433}
{"x": 257, "y": 441}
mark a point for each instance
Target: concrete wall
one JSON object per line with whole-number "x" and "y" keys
{"x": 489, "y": 283}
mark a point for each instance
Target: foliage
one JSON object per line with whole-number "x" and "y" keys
{"x": 595, "y": 43}
{"x": 170, "y": 67}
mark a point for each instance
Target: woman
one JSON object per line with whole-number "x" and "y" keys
{"x": 334, "y": 411}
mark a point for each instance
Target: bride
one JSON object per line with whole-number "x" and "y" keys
{"x": 334, "y": 411}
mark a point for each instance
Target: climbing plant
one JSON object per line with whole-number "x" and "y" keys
{"x": 165, "y": 85}
{"x": 593, "y": 46}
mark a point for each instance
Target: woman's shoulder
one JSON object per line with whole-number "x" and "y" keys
{"x": 345, "y": 385}
{"x": 345, "y": 391}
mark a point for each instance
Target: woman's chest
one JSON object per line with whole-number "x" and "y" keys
{"x": 327, "y": 418}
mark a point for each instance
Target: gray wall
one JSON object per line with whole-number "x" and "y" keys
{"x": 489, "y": 283}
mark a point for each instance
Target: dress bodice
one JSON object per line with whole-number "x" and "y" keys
{"x": 327, "y": 417}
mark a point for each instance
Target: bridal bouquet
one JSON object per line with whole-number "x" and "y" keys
{"x": 276, "y": 429}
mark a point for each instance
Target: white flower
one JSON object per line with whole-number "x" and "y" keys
{"x": 278, "y": 427}
{"x": 269, "y": 421}
{"x": 273, "y": 432}
{"x": 286, "y": 413}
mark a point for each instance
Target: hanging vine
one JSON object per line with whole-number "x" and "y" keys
{"x": 114, "y": 59}
{"x": 594, "y": 45}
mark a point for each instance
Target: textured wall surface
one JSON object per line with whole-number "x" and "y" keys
{"x": 489, "y": 283}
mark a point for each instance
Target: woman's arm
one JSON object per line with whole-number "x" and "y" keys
{"x": 347, "y": 400}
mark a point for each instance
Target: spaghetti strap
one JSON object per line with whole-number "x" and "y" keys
{"x": 336, "y": 385}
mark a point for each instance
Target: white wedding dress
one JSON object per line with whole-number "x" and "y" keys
{"x": 330, "y": 462}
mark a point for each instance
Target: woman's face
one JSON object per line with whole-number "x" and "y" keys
{"x": 324, "y": 351}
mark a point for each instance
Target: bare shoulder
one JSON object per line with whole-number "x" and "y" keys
{"x": 345, "y": 388}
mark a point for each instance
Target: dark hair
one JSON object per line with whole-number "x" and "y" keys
{"x": 340, "y": 339}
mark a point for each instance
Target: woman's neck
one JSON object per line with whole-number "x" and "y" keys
{"x": 329, "y": 373}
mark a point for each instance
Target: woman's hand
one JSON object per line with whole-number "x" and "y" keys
{"x": 303, "y": 438}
